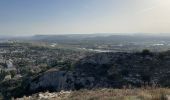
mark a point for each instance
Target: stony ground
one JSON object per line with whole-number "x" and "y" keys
{"x": 104, "y": 94}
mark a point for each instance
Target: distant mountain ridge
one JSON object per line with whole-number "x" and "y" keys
{"x": 90, "y": 37}
{"x": 99, "y": 37}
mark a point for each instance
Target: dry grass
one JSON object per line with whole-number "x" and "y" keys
{"x": 114, "y": 94}
{"x": 121, "y": 94}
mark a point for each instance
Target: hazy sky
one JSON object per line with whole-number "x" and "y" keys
{"x": 84, "y": 16}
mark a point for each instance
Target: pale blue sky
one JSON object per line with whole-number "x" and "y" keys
{"x": 84, "y": 16}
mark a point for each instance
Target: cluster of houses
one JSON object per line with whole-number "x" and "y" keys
{"x": 25, "y": 58}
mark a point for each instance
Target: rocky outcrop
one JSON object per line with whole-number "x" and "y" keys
{"x": 55, "y": 80}
{"x": 60, "y": 80}
{"x": 48, "y": 96}
{"x": 108, "y": 70}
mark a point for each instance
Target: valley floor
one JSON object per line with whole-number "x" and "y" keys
{"x": 104, "y": 94}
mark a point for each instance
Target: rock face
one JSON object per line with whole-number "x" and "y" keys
{"x": 55, "y": 79}
{"x": 108, "y": 70}
{"x": 60, "y": 80}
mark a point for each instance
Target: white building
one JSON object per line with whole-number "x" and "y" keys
{"x": 10, "y": 65}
